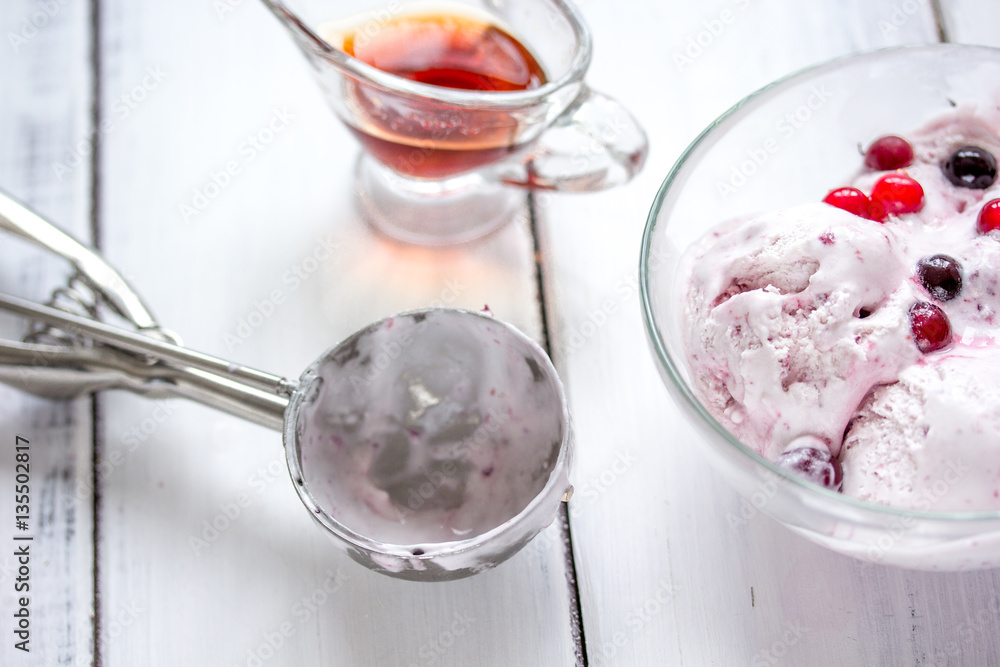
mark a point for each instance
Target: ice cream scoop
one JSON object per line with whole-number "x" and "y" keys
{"x": 432, "y": 444}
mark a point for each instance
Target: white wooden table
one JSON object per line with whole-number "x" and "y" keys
{"x": 115, "y": 114}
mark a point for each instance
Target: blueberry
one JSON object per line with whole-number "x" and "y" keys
{"x": 941, "y": 275}
{"x": 971, "y": 167}
{"x": 813, "y": 464}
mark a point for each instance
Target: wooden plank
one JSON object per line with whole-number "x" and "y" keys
{"x": 971, "y": 21}
{"x": 268, "y": 585}
{"x": 44, "y": 142}
{"x": 664, "y": 579}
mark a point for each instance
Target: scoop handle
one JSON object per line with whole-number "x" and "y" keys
{"x": 21, "y": 221}
{"x": 59, "y": 372}
{"x": 249, "y": 393}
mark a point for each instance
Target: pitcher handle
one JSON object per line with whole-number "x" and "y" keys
{"x": 595, "y": 144}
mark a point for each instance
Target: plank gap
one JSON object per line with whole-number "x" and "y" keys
{"x": 96, "y": 80}
{"x": 565, "y": 532}
{"x": 939, "y": 21}
{"x": 96, "y": 503}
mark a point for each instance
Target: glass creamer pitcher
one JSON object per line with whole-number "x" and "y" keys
{"x": 447, "y": 153}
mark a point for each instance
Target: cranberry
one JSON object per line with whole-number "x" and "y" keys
{"x": 851, "y": 200}
{"x": 941, "y": 275}
{"x": 898, "y": 193}
{"x": 989, "y": 217}
{"x": 876, "y": 211}
{"x": 813, "y": 464}
{"x": 889, "y": 152}
{"x": 971, "y": 167}
{"x": 930, "y": 326}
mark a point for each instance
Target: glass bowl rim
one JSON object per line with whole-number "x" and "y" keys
{"x": 655, "y": 336}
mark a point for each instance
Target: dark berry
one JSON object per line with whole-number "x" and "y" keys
{"x": 815, "y": 465}
{"x": 941, "y": 275}
{"x": 930, "y": 327}
{"x": 898, "y": 193}
{"x": 889, "y": 152}
{"x": 851, "y": 200}
{"x": 989, "y": 217}
{"x": 971, "y": 167}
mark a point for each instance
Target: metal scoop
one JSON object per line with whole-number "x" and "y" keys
{"x": 432, "y": 445}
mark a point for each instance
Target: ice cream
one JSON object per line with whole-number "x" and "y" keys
{"x": 859, "y": 336}
{"x": 778, "y": 341}
{"x": 431, "y": 427}
{"x": 930, "y": 440}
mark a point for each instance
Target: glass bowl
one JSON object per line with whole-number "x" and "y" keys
{"x": 790, "y": 143}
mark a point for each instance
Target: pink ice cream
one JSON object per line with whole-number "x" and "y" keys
{"x": 780, "y": 344}
{"x": 930, "y": 440}
{"x": 801, "y": 332}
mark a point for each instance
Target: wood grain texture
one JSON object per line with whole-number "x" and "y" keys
{"x": 44, "y": 143}
{"x": 665, "y": 580}
{"x": 267, "y": 584}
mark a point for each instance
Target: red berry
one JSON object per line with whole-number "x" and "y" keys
{"x": 930, "y": 326}
{"x": 851, "y": 200}
{"x": 989, "y": 217}
{"x": 876, "y": 211}
{"x": 889, "y": 152}
{"x": 898, "y": 193}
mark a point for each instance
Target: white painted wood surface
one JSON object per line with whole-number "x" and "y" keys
{"x": 264, "y": 584}
{"x": 663, "y": 579}
{"x": 971, "y": 21}
{"x": 45, "y": 86}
